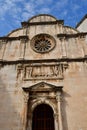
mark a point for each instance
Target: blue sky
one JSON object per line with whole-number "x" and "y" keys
{"x": 13, "y": 12}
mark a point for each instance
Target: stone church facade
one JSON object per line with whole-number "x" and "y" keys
{"x": 43, "y": 76}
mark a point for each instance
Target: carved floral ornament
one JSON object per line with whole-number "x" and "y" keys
{"x": 42, "y": 43}
{"x": 41, "y": 71}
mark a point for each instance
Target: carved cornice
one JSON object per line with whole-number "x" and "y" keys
{"x": 52, "y": 87}
{"x": 23, "y": 61}
{"x": 62, "y": 35}
{"x": 26, "y": 24}
{"x": 13, "y": 38}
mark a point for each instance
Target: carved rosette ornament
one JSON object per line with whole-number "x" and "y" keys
{"x": 42, "y": 43}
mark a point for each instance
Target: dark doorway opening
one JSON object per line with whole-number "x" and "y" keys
{"x": 43, "y": 118}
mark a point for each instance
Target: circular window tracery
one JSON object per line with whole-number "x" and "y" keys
{"x": 43, "y": 43}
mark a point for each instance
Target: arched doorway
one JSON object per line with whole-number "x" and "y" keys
{"x": 43, "y": 118}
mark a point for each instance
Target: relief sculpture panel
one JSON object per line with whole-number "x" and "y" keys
{"x": 42, "y": 71}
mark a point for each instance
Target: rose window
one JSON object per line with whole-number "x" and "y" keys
{"x": 42, "y": 43}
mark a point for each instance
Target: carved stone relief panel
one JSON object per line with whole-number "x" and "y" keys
{"x": 41, "y": 71}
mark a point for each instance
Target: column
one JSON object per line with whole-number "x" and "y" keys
{"x": 58, "y": 98}
{"x": 26, "y": 98}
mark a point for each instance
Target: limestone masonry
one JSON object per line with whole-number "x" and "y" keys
{"x": 43, "y": 76}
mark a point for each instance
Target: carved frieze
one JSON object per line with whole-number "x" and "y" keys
{"x": 41, "y": 71}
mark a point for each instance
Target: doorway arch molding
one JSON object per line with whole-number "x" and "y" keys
{"x": 44, "y": 101}
{"x": 36, "y": 98}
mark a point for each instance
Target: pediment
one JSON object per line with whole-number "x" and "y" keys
{"x": 43, "y": 86}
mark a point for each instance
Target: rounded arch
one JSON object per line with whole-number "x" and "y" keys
{"x": 43, "y": 102}
{"x": 41, "y": 105}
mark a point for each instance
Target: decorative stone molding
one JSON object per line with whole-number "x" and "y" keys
{"x": 42, "y": 71}
{"x": 38, "y": 102}
{"x": 41, "y": 94}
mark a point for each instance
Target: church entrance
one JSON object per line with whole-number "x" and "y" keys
{"x": 43, "y": 118}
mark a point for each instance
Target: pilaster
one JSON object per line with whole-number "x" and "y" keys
{"x": 26, "y": 99}
{"x": 58, "y": 98}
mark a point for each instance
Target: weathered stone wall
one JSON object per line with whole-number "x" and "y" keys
{"x": 25, "y": 73}
{"x": 74, "y": 97}
{"x": 11, "y": 100}
{"x": 65, "y": 47}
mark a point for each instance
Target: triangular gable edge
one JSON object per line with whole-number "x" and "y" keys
{"x": 43, "y": 83}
